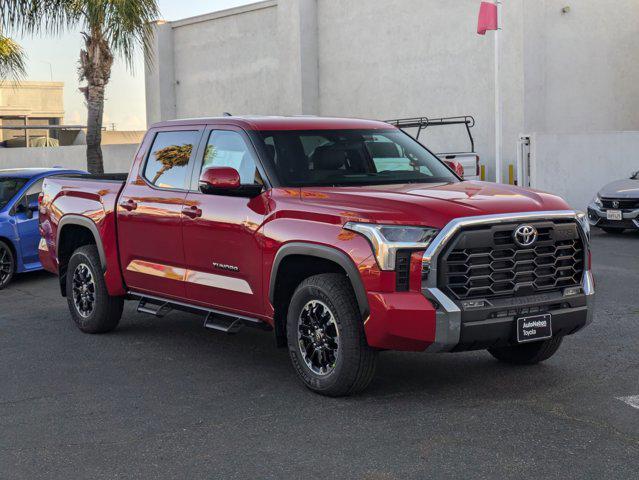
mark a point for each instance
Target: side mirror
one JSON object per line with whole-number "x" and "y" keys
{"x": 215, "y": 179}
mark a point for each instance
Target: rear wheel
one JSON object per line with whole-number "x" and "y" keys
{"x": 326, "y": 338}
{"x": 92, "y": 308}
{"x": 527, "y": 353}
{"x": 613, "y": 230}
{"x": 7, "y": 264}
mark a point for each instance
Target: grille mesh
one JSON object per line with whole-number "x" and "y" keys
{"x": 622, "y": 203}
{"x": 486, "y": 263}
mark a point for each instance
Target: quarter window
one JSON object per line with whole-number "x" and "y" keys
{"x": 168, "y": 161}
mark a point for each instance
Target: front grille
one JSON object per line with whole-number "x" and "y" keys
{"x": 622, "y": 203}
{"x": 486, "y": 263}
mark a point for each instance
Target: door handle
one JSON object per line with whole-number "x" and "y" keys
{"x": 192, "y": 211}
{"x": 129, "y": 205}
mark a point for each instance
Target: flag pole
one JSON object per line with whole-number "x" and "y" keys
{"x": 498, "y": 104}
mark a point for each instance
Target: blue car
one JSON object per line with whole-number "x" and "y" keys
{"x": 19, "y": 233}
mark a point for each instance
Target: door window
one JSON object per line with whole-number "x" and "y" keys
{"x": 227, "y": 148}
{"x": 168, "y": 161}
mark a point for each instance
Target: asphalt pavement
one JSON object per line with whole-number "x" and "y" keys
{"x": 164, "y": 398}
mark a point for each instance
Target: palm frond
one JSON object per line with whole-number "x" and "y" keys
{"x": 126, "y": 25}
{"x": 12, "y": 58}
{"x": 36, "y": 16}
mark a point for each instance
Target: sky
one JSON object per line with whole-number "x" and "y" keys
{"x": 56, "y": 58}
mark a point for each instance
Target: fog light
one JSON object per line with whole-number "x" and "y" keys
{"x": 473, "y": 304}
{"x": 572, "y": 291}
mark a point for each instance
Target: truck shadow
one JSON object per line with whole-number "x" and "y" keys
{"x": 251, "y": 355}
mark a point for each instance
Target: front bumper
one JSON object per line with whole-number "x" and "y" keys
{"x": 597, "y": 217}
{"x": 493, "y": 323}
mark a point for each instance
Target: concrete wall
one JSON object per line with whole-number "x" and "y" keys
{"x": 117, "y": 158}
{"x": 561, "y": 72}
{"x": 580, "y": 69}
{"x": 576, "y": 166}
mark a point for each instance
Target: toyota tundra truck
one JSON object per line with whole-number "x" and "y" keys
{"x": 342, "y": 237}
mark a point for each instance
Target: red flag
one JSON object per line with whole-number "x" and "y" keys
{"x": 487, "y": 17}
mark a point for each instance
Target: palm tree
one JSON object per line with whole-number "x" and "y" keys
{"x": 11, "y": 59}
{"x": 172, "y": 156}
{"x": 110, "y": 28}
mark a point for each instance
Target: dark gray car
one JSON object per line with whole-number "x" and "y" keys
{"x": 616, "y": 207}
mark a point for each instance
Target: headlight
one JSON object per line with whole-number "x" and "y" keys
{"x": 582, "y": 218}
{"x": 387, "y": 239}
{"x": 597, "y": 200}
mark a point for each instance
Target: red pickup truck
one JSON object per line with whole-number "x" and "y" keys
{"x": 344, "y": 237}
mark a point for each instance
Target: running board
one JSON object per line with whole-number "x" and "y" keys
{"x": 217, "y": 320}
{"x": 158, "y": 310}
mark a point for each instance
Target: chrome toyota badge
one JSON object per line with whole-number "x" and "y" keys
{"x": 525, "y": 235}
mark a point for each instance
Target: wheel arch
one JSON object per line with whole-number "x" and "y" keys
{"x": 73, "y": 232}
{"x": 326, "y": 253}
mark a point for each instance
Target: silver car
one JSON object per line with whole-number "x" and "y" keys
{"x": 616, "y": 207}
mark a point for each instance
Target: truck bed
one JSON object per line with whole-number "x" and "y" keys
{"x": 90, "y": 198}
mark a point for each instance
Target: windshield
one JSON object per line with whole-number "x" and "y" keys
{"x": 351, "y": 157}
{"x": 9, "y": 187}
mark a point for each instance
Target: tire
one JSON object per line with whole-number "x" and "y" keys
{"x": 527, "y": 353}
{"x": 92, "y": 308}
{"x": 7, "y": 265}
{"x": 613, "y": 230}
{"x": 350, "y": 361}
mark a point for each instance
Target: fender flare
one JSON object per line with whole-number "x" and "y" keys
{"x": 326, "y": 253}
{"x": 79, "y": 220}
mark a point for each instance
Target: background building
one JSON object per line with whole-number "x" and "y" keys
{"x": 564, "y": 70}
{"x": 29, "y": 104}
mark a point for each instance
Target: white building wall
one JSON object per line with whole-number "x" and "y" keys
{"x": 561, "y": 72}
{"x": 117, "y": 158}
{"x": 227, "y": 63}
{"x": 576, "y": 165}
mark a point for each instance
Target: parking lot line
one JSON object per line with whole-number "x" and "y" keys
{"x": 632, "y": 401}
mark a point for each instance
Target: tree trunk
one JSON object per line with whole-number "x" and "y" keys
{"x": 95, "y": 106}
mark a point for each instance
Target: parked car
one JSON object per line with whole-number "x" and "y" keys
{"x": 344, "y": 237}
{"x": 615, "y": 208}
{"x": 19, "y": 235}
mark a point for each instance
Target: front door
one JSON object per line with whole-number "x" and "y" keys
{"x": 150, "y": 215}
{"x": 221, "y": 240}
{"x": 26, "y": 217}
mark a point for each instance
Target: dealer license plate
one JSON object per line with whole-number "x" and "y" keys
{"x": 536, "y": 327}
{"x": 614, "y": 215}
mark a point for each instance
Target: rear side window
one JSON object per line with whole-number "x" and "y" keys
{"x": 168, "y": 163}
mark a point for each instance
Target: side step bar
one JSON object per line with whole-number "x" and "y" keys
{"x": 218, "y": 320}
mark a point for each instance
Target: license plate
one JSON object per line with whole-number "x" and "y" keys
{"x": 531, "y": 329}
{"x": 614, "y": 215}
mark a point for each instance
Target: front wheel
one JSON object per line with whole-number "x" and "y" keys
{"x": 326, "y": 338}
{"x": 92, "y": 308}
{"x": 7, "y": 265}
{"x": 528, "y": 353}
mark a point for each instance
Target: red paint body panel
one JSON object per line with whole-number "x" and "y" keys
{"x": 218, "y": 251}
{"x": 94, "y": 200}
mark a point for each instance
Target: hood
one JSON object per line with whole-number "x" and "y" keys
{"x": 621, "y": 189}
{"x": 428, "y": 204}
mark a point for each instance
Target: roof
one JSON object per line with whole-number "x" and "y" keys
{"x": 32, "y": 172}
{"x": 283, "y": 123}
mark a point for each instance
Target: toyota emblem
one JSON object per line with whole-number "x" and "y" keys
{"x": 525, "y": 235}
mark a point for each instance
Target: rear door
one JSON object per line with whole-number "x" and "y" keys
{"x": 221, "y": 241}
{"x": 150, "y": 214}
